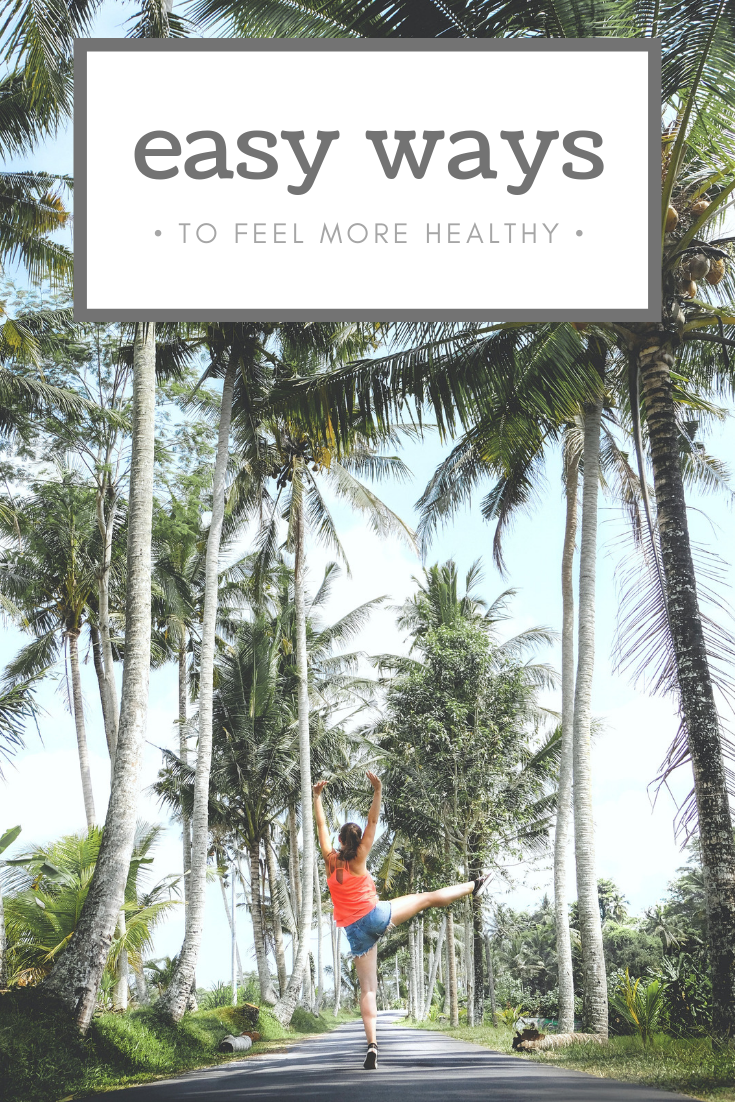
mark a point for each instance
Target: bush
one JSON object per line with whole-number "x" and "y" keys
{"x": 509, "y": 991}
{"x": 642, "y": 1006}
{"x": 688, "y": 996}
{"x": 40, "y": 1049}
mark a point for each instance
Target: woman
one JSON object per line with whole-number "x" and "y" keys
{"x": 357, "y": 907}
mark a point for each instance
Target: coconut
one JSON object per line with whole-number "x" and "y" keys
{"x": 672, "y": 217}
{"x": 580, "y": 326}
{"x": 688, "y": 288}
{"x": 700, "y": 206}
{"x": 716, "y": 271}
{"x": 696, "y": 266}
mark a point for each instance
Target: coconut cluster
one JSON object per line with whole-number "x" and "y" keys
{"x": 698, "y": 262}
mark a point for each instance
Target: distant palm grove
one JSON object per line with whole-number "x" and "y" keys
{"x": 165, "y": 490}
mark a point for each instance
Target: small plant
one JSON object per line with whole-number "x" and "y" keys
{"x": 219, "y": 994}
{"x": 641, "y": 1006}
{"x": 511, "y": 1015}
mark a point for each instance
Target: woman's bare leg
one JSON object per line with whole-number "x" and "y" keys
{"x": 406, "y": 906}
{"x": 367, "y": 973}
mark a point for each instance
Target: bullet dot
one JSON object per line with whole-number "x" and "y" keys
{"x": 158, "y": 233}
{"x": 579, "y": 233}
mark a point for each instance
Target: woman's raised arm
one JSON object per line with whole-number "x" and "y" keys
{"x": 321, "y": 820}
{"x": 373, "y": 816}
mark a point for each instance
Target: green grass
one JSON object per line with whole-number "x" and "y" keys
{"x": 688, "y": 1066}
{"x": 42, "y": 1058}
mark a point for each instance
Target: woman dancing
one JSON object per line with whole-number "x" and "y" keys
{"x": 357, "y": 907}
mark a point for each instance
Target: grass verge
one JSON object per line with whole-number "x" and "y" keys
{"x": 43, "y": 1059}
{"x": 689, "y": 1066}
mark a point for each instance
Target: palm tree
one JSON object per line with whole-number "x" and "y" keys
{"x": 47, "y": 888}
{"x": 593, "y": 957}
{"x": 566, "y": 762}
{"x": 175, "y": 998}
{"x": 51, "y": 581}
{"x": 466, "y": 713}
{"x": 38, "y": 43}
{"x": 177, "y": 612}
{"x": 293, "y": 463}
{"x": 512, "y": 448}
{"x": 252, "y": 777}
{"x": 31, "y": 203}
{"x": 17, "y": 706}
{"x": 81, "y": 966}
{"x": 94, "y": 366}
{"x": 255, "y": 773}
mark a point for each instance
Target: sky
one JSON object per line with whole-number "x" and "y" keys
{"x": 635, "y": 843}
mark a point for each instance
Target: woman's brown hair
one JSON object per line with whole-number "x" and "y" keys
{"x": 350, "y": 837}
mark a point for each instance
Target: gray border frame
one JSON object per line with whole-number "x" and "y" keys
{"x": 83, "y": 46}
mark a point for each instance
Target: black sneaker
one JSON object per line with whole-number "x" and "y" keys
{"x": 371, "y": 1060}
{"x": 481, "y": 884}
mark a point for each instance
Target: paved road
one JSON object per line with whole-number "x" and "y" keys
{"x": 415, "y": 1066}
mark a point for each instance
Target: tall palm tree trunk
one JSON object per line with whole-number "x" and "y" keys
{"x": 76, "y": 976}
{"x": 490, "y": 979}
{"x": 478, "y": 969}
{"x": 412, "y": 995}
{"x": 267, "y": 993}
{"x": 83, "y": 751}
{"x": 99, "y": 669}
{"x": 420, "y": 992}
{"x": 228, "y": 912}
{"x": 436, "y": 962}
{"x": 108, "y": 688}
{"x": 336, "y": 963}
{"x": 110, "y": 721}
{"x": 270, "y": 858}
{"x": 695, "y": 683}
{"x": 120, "y": 988}
{"x": 284, "y": 1008}
{"x": 319, "y": 934}
{"x": 446, "y": 1007}
{"x": 141, "y": 985}
{"x": 590, "y": 927}
{"x": 173, "y": 1001}
{"x": 184, "y": 755}
{"x": 452, "y": 970}
{"x": 468, "y": 944}
{"x": 293, "y": 860}
{"x": 564, "y": 798}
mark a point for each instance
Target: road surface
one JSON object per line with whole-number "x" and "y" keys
{"x": 414, "y": 1066}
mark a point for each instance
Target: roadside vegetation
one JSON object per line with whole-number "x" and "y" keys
{"x": 43, "y": 1057}
{"x": 690, "y": 1066}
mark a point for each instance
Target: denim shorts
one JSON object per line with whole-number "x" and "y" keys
{"x": 364, "y": 933}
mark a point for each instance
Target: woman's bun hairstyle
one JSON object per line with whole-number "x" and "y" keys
{"x": 350, "y": 837}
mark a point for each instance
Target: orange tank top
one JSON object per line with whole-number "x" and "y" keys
{"x": 353, "y": 896}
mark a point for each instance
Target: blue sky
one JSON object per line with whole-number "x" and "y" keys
{"x": 635, "y": 842}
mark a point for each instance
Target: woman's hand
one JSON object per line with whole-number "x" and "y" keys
{"x": 374, "y": 780}
{"x": 319, "y": 787}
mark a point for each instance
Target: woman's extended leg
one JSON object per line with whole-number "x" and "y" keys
{"x": 406, "y": 906}
{"x": 367, "y": 973}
